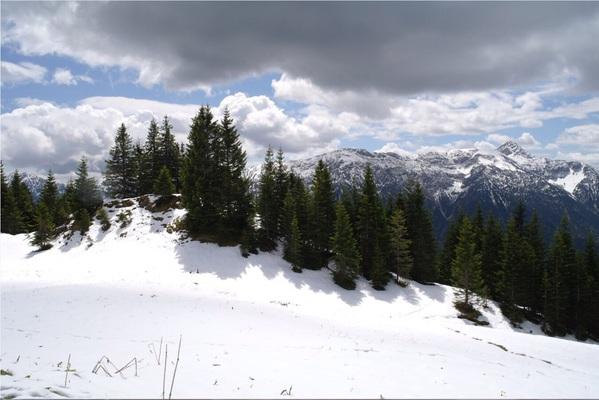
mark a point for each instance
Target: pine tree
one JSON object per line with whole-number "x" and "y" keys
{"x": 24, "y": 203}
{"x": 492, "y": 252}
{"x": 120, "y": 176}
{"x": 45, "y": 228}
{"x": 12, "y": 221}
{"x": 400, "y": 244}
{"x": 234, "y": 187}
{"x": 86, "y": 193}
{"x": 379, "y": 274}
{"x": 139, "y": 164}
{"x": 293, "y": 251}
{"x": 420, "y": 230}
{"x": 466, "y": 267}
{"x": 281, "y": 186}
{"x": 590, "y": 261}
{"x": 267, "y": 200}
{"x": 82, "y": 221}
{"x": 151, "y": 160}
{"x": 534, "y": 237}
{"x": 104, "y": 218}
{"x": 346, "y": 256}
{"x": 49, "y": 196}
{"x": 168, "y": 150}
{"x": 197, "y": 174}
{"x": 562, "y": 260}
{"x": 324, "y": 213}
{"x": 164, "y": 183}
{"x": 369, "y": 223}
{"x": 448, "y": 252}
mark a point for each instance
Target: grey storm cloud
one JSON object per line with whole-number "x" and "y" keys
{"x": 397, "y": 48}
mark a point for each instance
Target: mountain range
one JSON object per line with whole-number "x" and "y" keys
{"x": 459, "y": 180}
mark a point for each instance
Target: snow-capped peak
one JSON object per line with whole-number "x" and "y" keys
{"x": 511, "y": 148}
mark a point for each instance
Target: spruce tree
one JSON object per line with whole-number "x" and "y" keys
{"x": 12, "y": 221}
{"x": 197, "y": 174}
{"x": 120, "y": 176}
{"x": 400, "y": 245}
{"x": 234, "y": 187}
{"x": 164, "y": 183}
{"x": 492, "y": 252}
{"x": 369, "y": 222}
{"x": 534, "y": 237}
{"x": 590, "y": 261}
{"x": 346, "y": 256}
{"x": 86, "y": 193}
{"x": 267, "y": 201}
{"x": 82, "y": 221}
{"x": 448, "y": 252}
{"x": 293, "y": 251}
{"x": 324, "y": 213}
{"x": 168, "y": 150}
{"x": 24, "y": 203}
{"x": 104, "y": 218}
{"x": 49, "y": 196}
{"x": 466, "y": 266}
{"x": 45, "y": 228}
{"x": 562, "y": 261}
{"x": 281, "y": 186}
{"x": 420, "y": 229}
{"x": 151, "y": 160}
{"x": 379, "y": 274}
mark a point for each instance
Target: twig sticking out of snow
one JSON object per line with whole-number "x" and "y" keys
{"x": 164, "y": 374}
{"x": 287, "y": 392}
{"x": 175, "y": 370}
{"x": 66, "y": 371}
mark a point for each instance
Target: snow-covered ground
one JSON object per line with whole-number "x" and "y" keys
{"x": 250, "y": 328}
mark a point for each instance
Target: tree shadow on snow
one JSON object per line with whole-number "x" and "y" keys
{"x": 226, "y": 263}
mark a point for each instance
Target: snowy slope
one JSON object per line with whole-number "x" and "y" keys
{"x": 251, "y": 327}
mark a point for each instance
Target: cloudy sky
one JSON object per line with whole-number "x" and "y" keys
{"x": 308, "y": 77}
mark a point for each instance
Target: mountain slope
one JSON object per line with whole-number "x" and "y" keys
{"x": 460, "y": 179}
{"x": 250, "y": 327}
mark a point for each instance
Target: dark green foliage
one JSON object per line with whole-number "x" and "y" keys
{"x": 164, "y": 183}
{"x": 235, "y": 200}
{"x": 448, "y": 252}
{"x": 557, "y": 291}
{"x": 45, "y": 228}
{"x": 12, "y": 221}
{"x": 466, "y": 266}
{"x": 590, "y": 264}
{"x": 214, "y": 187}
{"x": 49, "y": 196}
{"x": 267, "y": 201}
{"x": 370, "y": 223}
{"x": 150, "y": 160}
{"x": 86, "y": 193}
{"x": 102, "y": 215}
{"x": 379, "y": 274}
{"x": 82, "y": 221}
{"x": 492, "y": 251}
{"x": 534, "y": 236}
{"x": 198, "y": 169}
{"x": 420, "y": 229}
{"x": 346, "y": 256}
{"x": 24, "y": 204}
{"x": 323, "y": 217}
{"x": 120, "y": 175}
{"x": 293, "y": 251}
{"x": 400, "y": 246}
{"x": 168, "y": 151}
